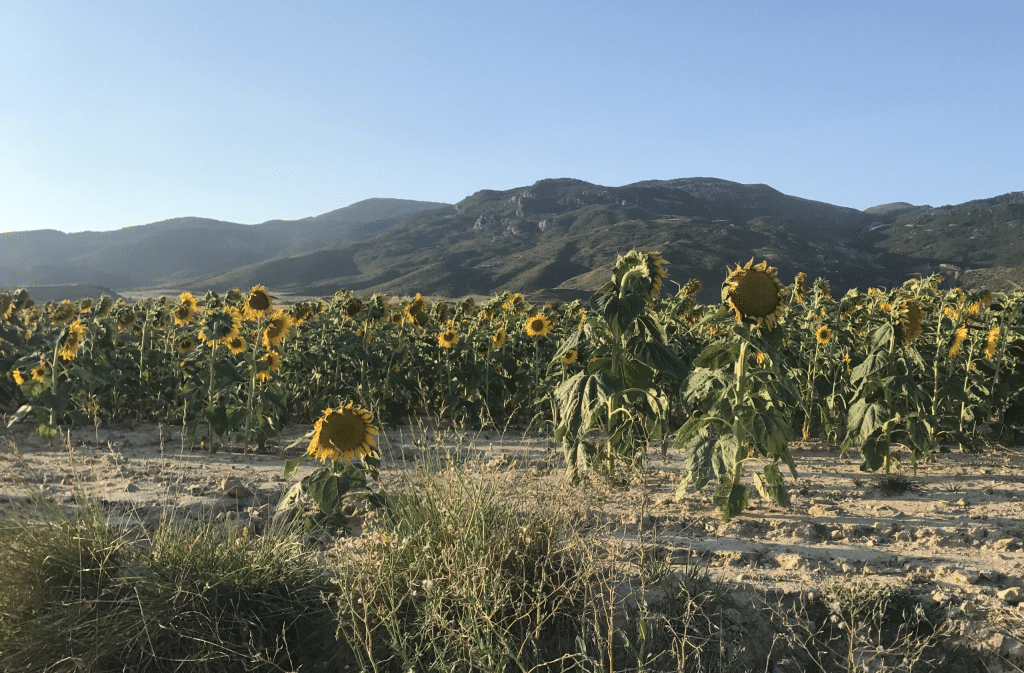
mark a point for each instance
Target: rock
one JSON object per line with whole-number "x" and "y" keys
{"x": 1006, "y": 543}
{"x": 965, "y": 576}
{"x": 235, "y": 488}
{"x": 1012, "y": 595}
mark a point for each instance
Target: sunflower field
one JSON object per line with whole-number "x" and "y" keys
{"x": 891, "y": 373}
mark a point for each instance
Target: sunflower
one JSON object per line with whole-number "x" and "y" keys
{"x": 236, "y": 344}
{"x": 911, "y": 316}
{"x": 185, "y": 346}
{"x": 278, "y": 329}
{"x": 185, "y": 310}
{"x": 353, "y": 307}
{"x": 570, "y": 357}
{"x": 220, "y": 325}
{"x": 6, "y": 305}
{"x": 301, "y": 312}
{"x": 63, "y": 313}
{"x": 415, "y": 310}
{"x": 18, "y": 378}
{"x": 801, "y": 287}
{"x": 103, "y": 309}
{"x": 754, "y": 294}
{"x": 822, "y": 289}
{"x": 273, "y": 364}
{"x": 990, "y": 343}
{"x": 345, "y": 433}
{"x": 514, "y": 301}
{"x": 950, "y": 313}
{"x": 498, "y": 340}
{"x": 958, "y": 341}
{"x": 448, "y": 339}
{"x": 692, "y": 288}
{"x": 39, "y": 371}
{"x": 656, "y": 267}
{"x": 125, "y": 317}
{"x": 258, "y": 304}
{"x": 824, "y": 335}
{"x": 539, "y": 325}
{"x": 72, "y": 341}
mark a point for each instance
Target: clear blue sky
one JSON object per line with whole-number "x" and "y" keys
{"x": 122, "y": 113}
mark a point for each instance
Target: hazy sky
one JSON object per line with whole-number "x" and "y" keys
{"x": 122, "y": 113}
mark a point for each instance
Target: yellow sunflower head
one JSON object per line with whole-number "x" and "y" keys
{"x": 958, "y": 341}
{"x": 754, "y": 294}
{"x": 824, "y": 334}
{"x": 416, "y": 311}
{"x": 258, "y": 304}
{"x": 498, "y": 340}
{"x": 185, "y": 310}
{"x": 73, "y": 339}
{"x": 18, "y": 378}
{"x": 278, "y": 329}
{"x": 950, "y": 312}
{"x": 515, "y": 302}
{"x": 219, "y": 325}
{"x": 345, "y": 434}
{"x": 570, "y": 357}
{"x": 992, "y": 342}
{"x": 39, "y": 371}
{"x": 125, "y": 318}
{"x": 539, "y": 325}
{"x": 301, "y": 312}
{"x": 911, "y": 317}
{"x": 448, "y": 338}
{"x": 236, "y": 343}
{"x": 271, "y": 362}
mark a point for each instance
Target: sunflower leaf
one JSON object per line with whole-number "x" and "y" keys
{"x": 731, "y": 499}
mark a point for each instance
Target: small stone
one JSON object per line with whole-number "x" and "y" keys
{"x": 234, "y": 487}
{"x": 1012, "y": 595}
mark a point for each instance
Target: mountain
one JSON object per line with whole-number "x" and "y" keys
{"x": 555, "y": 238}
{"x": 173, "y": 250}
{"x": 559, "y": 237}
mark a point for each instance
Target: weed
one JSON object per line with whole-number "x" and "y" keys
{"x": 897, "y": 484}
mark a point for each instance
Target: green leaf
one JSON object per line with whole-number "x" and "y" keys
{"x": 881, "y": 338}
{"x": 291, "y": 465}
{"x": 731, "y": 499}
{"x": 864, "y": 419}
{"x": 874, "y": 363}
{"x": 662, "y": 358}
{"x": 873, "y": 453}
{"x": 718, "y": 355}
{"x": 776, "y": 486}
{"x": 768, "y": 429}
{"x": 698, "y": 453}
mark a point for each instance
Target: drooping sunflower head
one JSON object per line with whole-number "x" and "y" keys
{"x": 73, "y": 339}
{"x": 539, "y": 325}
{"x": 514, "y": 302}
{"x": 258, "y": 304}
{"x": 754, "y": 294}
{"x": 656, "y": 268}
{"x": 416, "y": 311}
{"x": 824, "y": 335}
{"x": 219, "y": 324}
{"x": 958, "y": 341}
{"x": 692, "y": 288}
{"x": 801, "y": 287}
{"x": 125, "y": 317}
{"x": 992, "y": 342}
{"x": 271, "y": 362}
{"x": 353, "y": 306}
{"x": 570, "y": 356}
{"x": 185, "y": 310}
{"x": 498, "y": 340}
{"x": 22, "y": 300}
{"x": 345, "y": 434}
{"x": 448, "y": 338}
{"x": 104, "y": 307}
{"x": 63, "y": 313}
{"x": 822, "y": 290}
{"x": 278, "y": 329}
{"x": 6, "y": 305}
{"x": 301, "y": 312}
{"x": 186, "y": 345}
{"x": 911, "y": 317}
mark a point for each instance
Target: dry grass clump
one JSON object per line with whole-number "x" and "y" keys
{"x": 78, "y": 594}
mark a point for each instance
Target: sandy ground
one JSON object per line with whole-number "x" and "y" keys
{"x": 957, "y": 540}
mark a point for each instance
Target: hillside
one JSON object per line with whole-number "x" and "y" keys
{"x": 555, "y": 238}
{"x": 174, "y": 250}
{"x": 559, "y": 237}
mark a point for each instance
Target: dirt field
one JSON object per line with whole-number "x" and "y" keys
{"x": 956, "y": 539}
